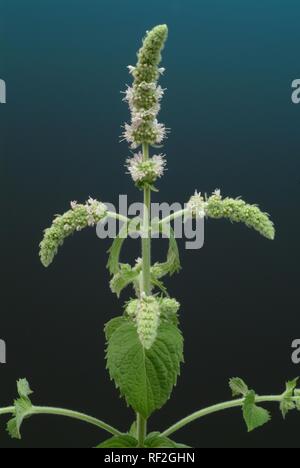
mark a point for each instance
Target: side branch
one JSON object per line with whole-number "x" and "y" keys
{"x": 221, "y": 407}
{"x": 35, "y": 410}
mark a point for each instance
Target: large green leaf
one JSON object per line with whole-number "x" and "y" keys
{"x": 145, "y": 377}
{"x": 124, "y": 441}
{"x": 113, "y": 325}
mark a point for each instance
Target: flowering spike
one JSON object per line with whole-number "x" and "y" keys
{"x": 76, "y": 219}
{"x": 147, "y": 319}
{"x": 236, "y": 210}
{"x": 144, "y": 96}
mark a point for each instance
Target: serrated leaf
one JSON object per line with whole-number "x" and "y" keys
{"x": 124, "y": 278}
{"x": 113, "y": 325}
{"x": 155, "y": 440}
{"x": 124, "y": 441}
{"x": 145, "y": 377}
{"x": 172, "y": 264}
{"x": 160, "y": 285}
{"x": 297, "y": 394}
{"x": 23, "y": 388}
{"x": 254, "y": 416}
{"x": 238, "y": 387}
{"x": 290, "y": 387}
{"x": 23, "y": 409}
{"x": 287, "y": 404}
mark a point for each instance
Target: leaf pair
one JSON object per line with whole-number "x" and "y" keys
{"x": 124, "y": 274}
{"x": 144, "y": 377}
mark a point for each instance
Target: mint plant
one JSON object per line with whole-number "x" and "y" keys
{"x": 144, "y": 344}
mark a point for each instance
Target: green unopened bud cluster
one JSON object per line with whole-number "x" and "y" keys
{"x": 147, "y": 320}
{"x": 144, "y": 96}
{"x": 236, "y": 210}
{"x": 76, "y": 219}
{"x": 148, "y": 312}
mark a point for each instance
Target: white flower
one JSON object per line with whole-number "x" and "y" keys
{"x": 137, "y": 120}
{"x": 197, "y": 205}
{"x": 161, "y": 70}
{"x": 131, "y": 69}
{"x": 159, "y": 164}
{"x": 217, "y": 193}
{"x": 128, "y": 135}
{"x": 160, "y": 131}
{"x": 73, "y": 204}
{"x": 129, "y": 97}
{"x": 90, "y": 220}
{"x": 133, "y": 165}
{"x": 159, "y": 92}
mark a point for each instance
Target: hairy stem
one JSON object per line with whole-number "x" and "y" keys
{"x": 118, "y": 217}
{"x": 141, "y": 430}
{"x": 172, "y": 217}
{"x": 146, "y": 278}
{"x": 67, "y": 413}
{"x": 8, "y": 410}
{"x": 146, "y": 238}
{"x": 220, "y": 407}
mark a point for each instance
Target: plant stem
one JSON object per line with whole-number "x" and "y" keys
{"x": 141, "y": 430}
{"x": 67, "y": 413}
{"x": 146, "y": 238}
{"x": 118, "y": 217}
{"x": 172, "y": 217}
{"x": 8, "y": 410}
{"x": 146, "y": 277}
{"x": 220, "y": 407}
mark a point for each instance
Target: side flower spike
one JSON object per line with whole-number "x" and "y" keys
{"x": 76, "y": 219}
{"x": 233, "y": 209}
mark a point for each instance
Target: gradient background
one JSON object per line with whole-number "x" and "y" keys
{"x": 229, "y": 71}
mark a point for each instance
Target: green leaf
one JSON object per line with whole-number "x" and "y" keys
{"x": 254, "y": 416}
{"x": 172, "y": 264}
{"x": 287, "y": 404}
{"x": 297, "y": 394}
{"x": 145, "y": 377}
{"x": 155, "y": 440}
{"x": 115, "y": 250}
{"x": 238, "y": 387}
{"x": 124, "y": 441}
{"x": 160, "y": 285}
{"x": 23, "y": 409}
{"x": 113, "y": 325}
{"x": 24, "y": 388}
{"x": 133, "y": 429}
{"x": 124, "y": 278}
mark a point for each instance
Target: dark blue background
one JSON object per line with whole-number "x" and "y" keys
{"x": 229, "y": 71}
